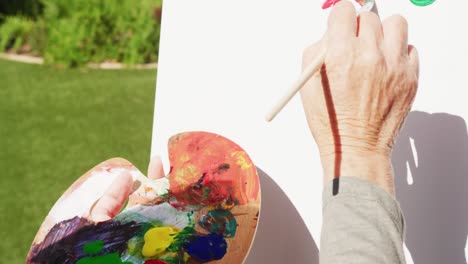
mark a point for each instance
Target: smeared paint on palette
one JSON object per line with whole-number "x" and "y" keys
{"x": 205, "y": 210}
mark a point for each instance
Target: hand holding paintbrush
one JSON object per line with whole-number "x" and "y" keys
{"x": 358, "y": 85}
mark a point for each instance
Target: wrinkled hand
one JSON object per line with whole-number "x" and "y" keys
{"x": 356, "y": 105}
{"x": 113, "y": 200}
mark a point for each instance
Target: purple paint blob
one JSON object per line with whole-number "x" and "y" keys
{"x": 65, "y": 241}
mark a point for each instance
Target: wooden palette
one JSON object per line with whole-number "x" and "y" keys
{"x": 205, "y": 210}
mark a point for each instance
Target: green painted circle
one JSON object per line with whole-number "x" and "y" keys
{"x": 422, "y": 2}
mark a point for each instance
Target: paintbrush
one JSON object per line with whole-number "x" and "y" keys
{"x": 311, "y": 69}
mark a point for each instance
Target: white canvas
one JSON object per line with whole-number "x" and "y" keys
{"x": 224, "y": 63}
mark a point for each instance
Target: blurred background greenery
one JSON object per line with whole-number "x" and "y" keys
{"x": 75, "y": 32}
{"x": 59, "y": 119}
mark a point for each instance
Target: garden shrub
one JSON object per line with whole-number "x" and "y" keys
{"x": 15, "y": 32}
{"x": 75, "y": 32}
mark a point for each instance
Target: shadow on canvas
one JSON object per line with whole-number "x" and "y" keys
{"x": 430, "y": 161}
{"x": 282, "y": 236}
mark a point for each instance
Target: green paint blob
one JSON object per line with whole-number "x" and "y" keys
{"x": 93, "y": 248}
{"x": 181, "y": 238}
{"x": 112, "y": 258}
{"x": 422, "y": 2}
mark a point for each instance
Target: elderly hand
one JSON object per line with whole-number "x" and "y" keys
{"x": 356, "y": 105}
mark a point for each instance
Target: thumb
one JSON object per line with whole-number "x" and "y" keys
{"x": 155, "y": 168}
{"x": 312, "y": 52}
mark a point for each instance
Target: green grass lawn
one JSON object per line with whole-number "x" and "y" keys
{"x": 55, "y": 124}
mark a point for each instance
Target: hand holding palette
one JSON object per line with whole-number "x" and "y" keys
{"x": 205, "y": 210}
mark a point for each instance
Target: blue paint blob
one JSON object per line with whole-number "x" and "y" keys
{"x": 206, "y": 248}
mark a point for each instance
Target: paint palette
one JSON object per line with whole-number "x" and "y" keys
{"x": 205, "y": 210}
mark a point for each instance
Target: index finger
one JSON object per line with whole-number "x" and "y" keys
{"x": 113, "y": 200}
{"x": 342, "y": 23}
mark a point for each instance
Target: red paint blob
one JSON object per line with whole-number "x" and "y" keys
{"x": 155, "y": 261}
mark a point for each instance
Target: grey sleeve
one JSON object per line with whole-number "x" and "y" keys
{"x": 362, "y": 224}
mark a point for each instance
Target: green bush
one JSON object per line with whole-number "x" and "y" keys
{"x": 76, "y": 32}
{"x": 15, "y": 33}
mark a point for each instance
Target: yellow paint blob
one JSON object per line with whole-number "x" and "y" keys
{"x": 185, "y": 176}
{"x": 241, "y": 159}
{"x": 157, "y": 239}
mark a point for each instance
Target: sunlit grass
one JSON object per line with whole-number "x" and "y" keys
{"x": 55, "y": 124}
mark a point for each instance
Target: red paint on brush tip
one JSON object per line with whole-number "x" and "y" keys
{"x": 329, "y": 3}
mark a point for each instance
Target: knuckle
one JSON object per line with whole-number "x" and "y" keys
{"x": 372, "y": 59}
